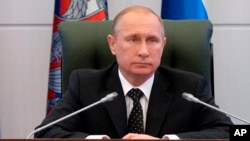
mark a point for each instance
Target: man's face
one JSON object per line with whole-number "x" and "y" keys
{"x": 138, "y": 44}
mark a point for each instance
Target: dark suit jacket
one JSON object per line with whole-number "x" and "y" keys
{"x": 168, "y": 112}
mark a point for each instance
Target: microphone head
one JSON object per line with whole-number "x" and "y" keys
{"x": 188, "y": 97}
{"x": 110, "y": 97}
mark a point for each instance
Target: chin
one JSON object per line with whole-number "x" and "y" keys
{"x": 144, "y": 72}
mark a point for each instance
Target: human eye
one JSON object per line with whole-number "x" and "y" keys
{"x": 132, "y": 39}
{"x": 152, "y": 40}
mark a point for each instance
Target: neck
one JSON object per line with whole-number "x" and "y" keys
{"x": 136, "y": 80}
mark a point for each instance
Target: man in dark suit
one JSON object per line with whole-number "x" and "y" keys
{"x": 137, "y": 41}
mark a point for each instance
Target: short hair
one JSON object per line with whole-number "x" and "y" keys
{"x": 135, "y": 8}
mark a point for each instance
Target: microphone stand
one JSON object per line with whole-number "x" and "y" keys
{"x": 190, "y": 97}
{"x": 105, "y": 99}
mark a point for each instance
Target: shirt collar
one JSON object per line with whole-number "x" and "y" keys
{"x": 145, "y": 87}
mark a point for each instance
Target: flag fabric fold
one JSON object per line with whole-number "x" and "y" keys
{"x": 68, "y": 10}
{"x": 183, "y": 9}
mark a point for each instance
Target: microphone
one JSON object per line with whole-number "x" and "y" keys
{"x": 190, "y": 97}
{"x": 107, "y": 98}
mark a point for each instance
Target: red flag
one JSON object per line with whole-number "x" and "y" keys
{"x": 68, "y": 10}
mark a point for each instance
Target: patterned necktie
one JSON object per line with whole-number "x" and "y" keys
{"x": 135, "y": 121}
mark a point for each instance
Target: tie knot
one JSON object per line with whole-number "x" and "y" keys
{"x": 135, "y": 94}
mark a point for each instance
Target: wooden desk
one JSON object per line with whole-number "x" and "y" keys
{"x": 54, "y": 139}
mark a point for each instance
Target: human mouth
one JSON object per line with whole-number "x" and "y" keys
{"x": 142, "y": 63}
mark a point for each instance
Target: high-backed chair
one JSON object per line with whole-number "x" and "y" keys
{"x": 85, "y": 46}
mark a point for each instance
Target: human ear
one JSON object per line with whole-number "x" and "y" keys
{"x": 111, "y": 42}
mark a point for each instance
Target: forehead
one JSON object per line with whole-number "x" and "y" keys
{"x": 138, "y": 14}
{"x": 136, "y": 20}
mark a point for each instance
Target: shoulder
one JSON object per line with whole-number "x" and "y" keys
{"x": 92, "y": 74}
{"x": 176, "y": 73}
{"x": 180, "y": 80}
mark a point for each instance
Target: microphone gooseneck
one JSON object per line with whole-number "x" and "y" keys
{"x": 191, "y": 98}
{"x": 107, "y": 98}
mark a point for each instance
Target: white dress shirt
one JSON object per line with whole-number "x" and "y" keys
{"x": 145, "y": 88}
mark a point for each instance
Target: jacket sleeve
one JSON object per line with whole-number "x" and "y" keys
{"x": 68, "y": 104}
{"x": 209, "y": 123}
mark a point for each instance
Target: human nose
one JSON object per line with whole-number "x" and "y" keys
{"x": 143, "y": 50}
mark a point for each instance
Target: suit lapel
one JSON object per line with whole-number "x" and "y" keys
{"x": 158, "y": 106}
{"x": 117, "y": 107}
